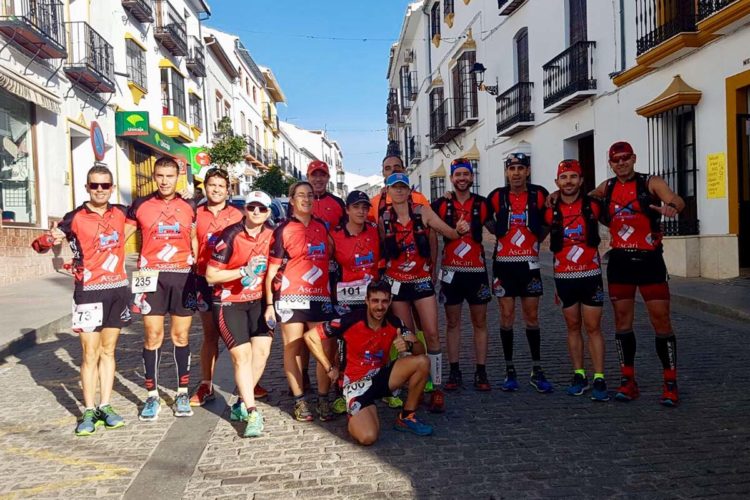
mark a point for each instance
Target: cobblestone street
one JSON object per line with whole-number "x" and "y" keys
{"x": 486, "y": 445}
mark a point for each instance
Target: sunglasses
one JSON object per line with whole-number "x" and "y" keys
{"x": 521, "y": 158}
{"x": 618, "y": 159}
{"x": 217, "y": 172}
{"x": 97, "y": 185}
{"x": 257, "y": 208}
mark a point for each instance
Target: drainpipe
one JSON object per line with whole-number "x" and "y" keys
{"x": 622, "y": 35}
{"x": 203, "y": 87}
{"x": 427, "y": 38}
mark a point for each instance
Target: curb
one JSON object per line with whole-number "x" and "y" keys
{"x": 709, "y": 307}
{"x": 34, "y": 336}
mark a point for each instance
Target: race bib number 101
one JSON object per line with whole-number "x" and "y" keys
{"x": 349, "y": 291}
{"x": 144, "y": 281}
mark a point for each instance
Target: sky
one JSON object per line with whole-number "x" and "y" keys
{"x": 330, "y": 58}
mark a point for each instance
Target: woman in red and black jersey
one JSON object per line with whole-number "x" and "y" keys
{"x": 298, "y": 282}
{"x": 404, "y": 231}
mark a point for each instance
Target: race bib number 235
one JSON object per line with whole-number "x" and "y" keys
{"x": 144, "y": 281}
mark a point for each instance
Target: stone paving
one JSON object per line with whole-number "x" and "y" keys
{"x": 487, "y": 445}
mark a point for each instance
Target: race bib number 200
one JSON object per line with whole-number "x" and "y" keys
{"x": 87, "y": 317}
{"x": 144, "y": 281}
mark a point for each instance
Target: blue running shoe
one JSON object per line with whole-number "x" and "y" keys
{"x": 600, "y": 391}
{"x": 88, "y": 424}
{"x": 578, "y": 385}
{"x": 511, "y": 381}
{"x": 109, "y": 416}
{"x": 539, "y": 382}
{"x": 254, "y": 426}
{"x": 412, "y": 424}
{"x": 182, "y": 406}
{"x": 239, "y": 412}
{"x": 151, "y": 409}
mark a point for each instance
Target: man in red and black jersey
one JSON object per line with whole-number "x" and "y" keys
{"x": 518, "y": 210}
{"x": 165, "y": 282}
{"x": 96, "y": 232}
{"x": 368, "y": 376}
{"x": 326, "y": 206}
{"x": 634, "y": 204}
{"x": 574, "y": 240}
{"x": 463, "y": 274}
{"x": 211, "y": 219}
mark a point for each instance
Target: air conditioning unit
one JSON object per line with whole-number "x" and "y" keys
{"x": 409, "y": 56}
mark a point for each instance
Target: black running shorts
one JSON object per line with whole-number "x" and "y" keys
{"x": 411, "y": 292}
{"x": 115, "y": 307}
{"x": 204, "y": 294}
{"x": 314, "y": 313}
{"x": 175, "y": 294}
{"x": 636, "y": 267}
{"x": 241, "y": 321}
{"x": 588, "y": 291}
{"x": 516, "y": 279}
{"x": 364, "y": 392}
{"x": 474, "y": 288}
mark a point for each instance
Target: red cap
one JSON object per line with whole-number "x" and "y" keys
{"x": 317, "y": 166}
{"x": 569, "y": 166}
{"x": 620, "y": 147}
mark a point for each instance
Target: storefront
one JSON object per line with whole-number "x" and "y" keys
{"x": 18, "y": 176}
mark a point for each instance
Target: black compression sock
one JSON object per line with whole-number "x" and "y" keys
{"x": 666, "y": 349}
{"x": 506, "y": 337}
{"x": 626, "y": 346}
{"x": 534, "y": 337}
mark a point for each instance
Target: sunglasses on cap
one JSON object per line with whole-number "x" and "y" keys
{"x": 217, "y": 172}
{"x": 97, "y": 185}
{"x": 521, "y": 158}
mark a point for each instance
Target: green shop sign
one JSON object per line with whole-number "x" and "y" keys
{"x": 131, "y": 123}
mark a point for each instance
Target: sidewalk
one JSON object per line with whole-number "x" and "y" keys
{"x": 37, "y": 309}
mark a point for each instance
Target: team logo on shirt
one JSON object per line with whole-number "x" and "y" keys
{"x": 312, "y": 275}
{"x": 574, "y": 233}
{"x": 166, "y": 228}
{"x": 107, "y": 238}
{"x": 365, "y": 260}
{"x": 316, "y": 250}
{"x": 518, "y": 219}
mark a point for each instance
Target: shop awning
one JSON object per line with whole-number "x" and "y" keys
{"x": 439, "y": 171}
{"x": 472, "y": 153}
{"x": 25, "y": 89}
{"x": 677, "y": 94}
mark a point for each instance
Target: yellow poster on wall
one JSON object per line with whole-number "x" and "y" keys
{"x": 716, "y": 175}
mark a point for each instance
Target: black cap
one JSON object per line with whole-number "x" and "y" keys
{"x": 357, "y": 197}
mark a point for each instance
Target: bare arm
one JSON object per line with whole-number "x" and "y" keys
{"x": 434, "y": 255}
{"x": 270, "y": 275}
{"x": 315, "y": 345}
{"x": 672, "y": 203}
{"x": 194, "y": 241}
{"x": 215, "y": 275}
{"x": 129, "y": 231}
{"x": 600, "y": 191}
{"x": 432, "y": 220}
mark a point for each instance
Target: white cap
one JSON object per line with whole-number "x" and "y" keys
{"x": 258, "y": 197}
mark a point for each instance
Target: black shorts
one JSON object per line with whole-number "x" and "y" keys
{"x": 472, "y": 287}
{"x": 364, "y": 392}
{"x": 204, "y": 297}
{"x": 411, "y": 292}
{"x": 115, "y": 306}
{"x": 588, "y": 291}
{"x": 636, "y": 267}
{"x": 316, "y": 312}
{"x": 516, "y": 279}
{"x": 241, "y": 321}
{"x": 175, "y": 294}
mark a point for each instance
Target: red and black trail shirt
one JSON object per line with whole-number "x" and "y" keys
{"x": 209, "y": 227}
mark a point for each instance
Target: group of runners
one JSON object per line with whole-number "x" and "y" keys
{"x": 355, "y": 283}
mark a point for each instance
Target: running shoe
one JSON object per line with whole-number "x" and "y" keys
{"x": 324, "y": 410}
{"x": 393, "y": 402}
{"x": 480, "y": 382}
{"x": 109, "y": 416}
{"x": 239, "y": 411}
{"x": 437, "y": 402}
{"x": 578, "y": 385}
{"x": 539, "y": 382}
{"x": 628, "y": 390}
{"x": 455, "y": 379}
{"x": 254, "y": 426}
{"x": 302, "y": 411}
{"x": 339, "y": 406}
{"x": 260, "y": 392}
{"x": 600, "y": 390}
{"x": 511, "y": 381}
{"x": 670, "y": 396}
{"x": 429, "y": 387}
{"x": 151, "y": 409}
{"x": 412, "y": 424}
{"x": 202, "y": 395}
{"x": 182, "y": 405}
{"x": 88, "y": 424}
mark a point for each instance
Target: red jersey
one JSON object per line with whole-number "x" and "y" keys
{"x": 576, "y": 259}
{"x": 358, "y": 256}
{"x": 166, "y": 228}
{"x": 464, "y": 254}
{"x": 236, "y": 249}
{"x": 519, "y": 244}
{"x": 365, "y": 350}
{"x": 98, "y": 245}
{"x": 304, "y": 254}
{"x": 629, "y": 225}
{"x": 409, "y": 266}
{"x": 209, "y": 227}
{"x": 417, "y": 198}
{"x": 329, "y": 208}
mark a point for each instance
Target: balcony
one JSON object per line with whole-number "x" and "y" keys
{"x": 139, "y": 9}
{"x": 253, "y": 152}
{"x": 392, "y": 108}
{"x": 415, "y": 150}
{"x": 659, "y": 21}
{"x": 413, "y": 86}
{"x": 91, "y": 63}
{"x": 508, "y": 7}
{"x": 514, "y": 109}
{"x": 170, "y": 30}
{"x": 721, "y": 17}
{"x": 708, "y": 8}
{"x": 569, "y": 77}
{"x": 443, "y": 124}
{"x": 196, "y": 62}
{"x": 267, "y": 113}
{"x": 35, "y": 25}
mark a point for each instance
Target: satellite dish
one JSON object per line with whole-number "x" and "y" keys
{"x": 10, "y": 147}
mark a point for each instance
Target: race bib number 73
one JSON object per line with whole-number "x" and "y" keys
{"x": 87, "y": 317}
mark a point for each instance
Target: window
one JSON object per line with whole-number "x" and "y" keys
{"x": 406, "y": 99}
{"x": 196, "y": 116}
{"x": 671, "y": 148}
{"x": 173, "y": 94}
{"x": 475, "y": 167}
{"x": 18, "y": 185}
{"x": 522, "y": 55}
{"x": 242, "y": 122}
{"x": 136, "y": 64}
{"x": 227, "y": 109}
{"x": 576, "y": 21}
{"x": 465, "y": 88}
{"x": 447, "y": 7}
{"x": 435, "y": 20}
{"x": 219, "y": 101}
{"x": 437, "y": 187}
{"x": 255, "y": 94}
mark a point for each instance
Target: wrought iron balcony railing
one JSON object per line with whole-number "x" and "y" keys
{"x": 196, "y": 62}
{"x": 514, "y": 108}
{"x": 35, "y": 25}
{"x": 91, "y": 62}
{"x": 444, "y": 124}
{"x": 709, "y": 7}
{"x": 139, "y": 9}
{"x": 659, "y": 20}
{"x": 170, "y": 29}
{"x": 570, "y": 72}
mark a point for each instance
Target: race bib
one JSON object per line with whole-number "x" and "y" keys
{"x": 447, "y": 276}
{"x": 351, "y": 291}
{"x": 395, "y": 287}
{"x": 534, "y": 265}
{"x": 292, "y": 304}
{"x": 87, "y": 317}
{"x": 356, "y": 389}
{"x": 144, "y": 281}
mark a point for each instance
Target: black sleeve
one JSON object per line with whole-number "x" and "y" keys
{"x": 66, "y": 224}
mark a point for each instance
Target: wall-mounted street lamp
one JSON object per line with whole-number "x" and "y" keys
{"x": 478, "y": 71}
